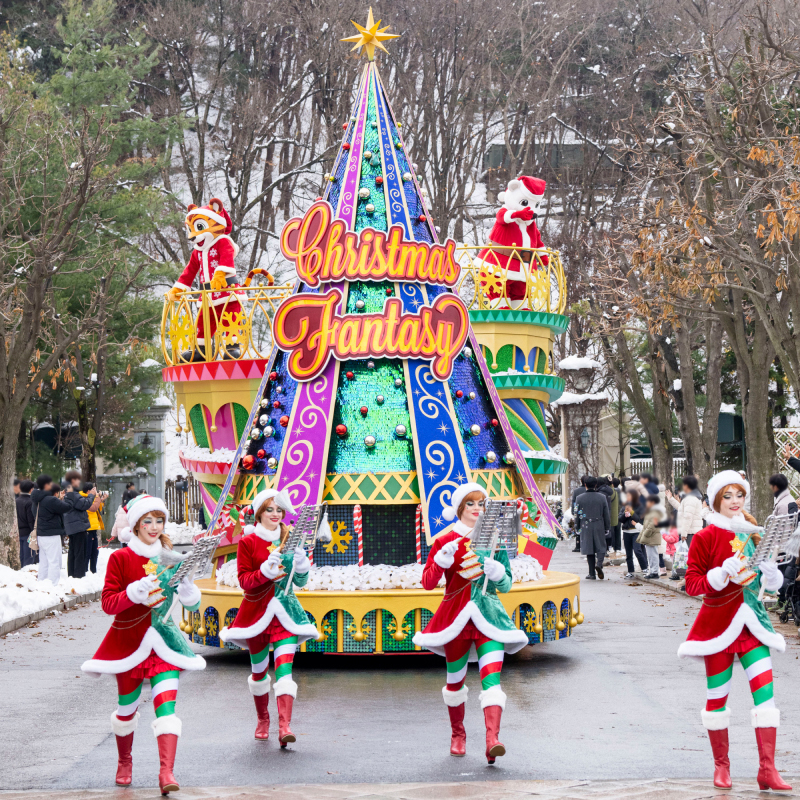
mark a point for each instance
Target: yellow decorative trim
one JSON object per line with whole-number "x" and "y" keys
{"x": 250, "y": 485}
{"x": 555, "y": 588}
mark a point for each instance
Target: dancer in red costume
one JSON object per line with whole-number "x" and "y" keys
{"x": 733, "y": 622}
{"x": 270, "y": 616}
{"x": 470, "y": 625}
{"x": 144, "y": 642}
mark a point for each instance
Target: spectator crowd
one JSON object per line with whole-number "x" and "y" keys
{"x": 53, "y": 518}
{"x": 646, "y": 519}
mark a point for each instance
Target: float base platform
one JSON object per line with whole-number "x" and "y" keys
{"x": 383, "y": 622}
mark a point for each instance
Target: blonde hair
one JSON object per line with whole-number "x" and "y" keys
{"x": 284, "y": 528}
{"x": 718, "y": 501}
{"x": 164, "y": 539}
{"x": 475, "y": 496}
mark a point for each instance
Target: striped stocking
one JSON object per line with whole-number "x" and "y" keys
{"x": 758, "y": 668}
{"x": 490, "y": 662}
{"x": 130, "y": 692}
{"x": 284, "y": 656}
{"x": 164, "y": 687}
{"x": 456, "y": 655}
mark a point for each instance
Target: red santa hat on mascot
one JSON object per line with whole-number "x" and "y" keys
{"x": 535, "y": 187}
{"x": 213, "y": 210}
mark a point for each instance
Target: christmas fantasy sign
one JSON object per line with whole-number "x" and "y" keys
{"x": 310, "y": 328}
{"x": 324, "y": 250}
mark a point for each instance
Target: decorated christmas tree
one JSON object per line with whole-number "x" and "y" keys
{"x": 378, "y": 398}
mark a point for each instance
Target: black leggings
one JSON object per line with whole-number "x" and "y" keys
{"x": 633, "y": 547}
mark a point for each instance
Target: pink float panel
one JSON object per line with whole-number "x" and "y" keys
{"x": 225, "y": 434}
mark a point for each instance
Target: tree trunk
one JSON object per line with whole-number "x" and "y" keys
{"x": 9, "y": 533}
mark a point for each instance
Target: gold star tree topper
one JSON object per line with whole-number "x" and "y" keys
{"x": 370, "y": 36}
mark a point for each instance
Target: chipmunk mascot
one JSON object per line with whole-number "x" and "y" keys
{"x": 508, "y": 259}
{"x": 214, "y": 251}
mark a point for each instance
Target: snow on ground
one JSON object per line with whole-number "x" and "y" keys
{"x": 22, "y": 593}
{"x": 353, "y": 578}
{"x": 544, "y": 454}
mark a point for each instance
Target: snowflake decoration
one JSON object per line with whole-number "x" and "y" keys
{"x": 340, "y": 539}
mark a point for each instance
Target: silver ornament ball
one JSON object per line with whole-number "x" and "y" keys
{"x": 370, "y": 365}
{"x": 272, "y": 463}
{"x": 269, "y": 430}
{"x": 475, "y": 429}
{"x": 369, "y": 208}
{"x": 368, "y": 154}
{"x": 264, "y": 403}
{"x": 400, "y": 430}
{"x": 467, "y": 352}
{"x": 509, "y": 458}
{"x": 472, "y": 395}
{"x": 406, "y": 177}
{"x": 360, "y": 305}
{"x": 255, "y": 434}
{"x": 490, "y": 456}
{"x": 398, "y": 382}
{"x": 363, "y": 193}
{"x": 369, "y": 441}
{"x": 379, "y": 399}
{"x": 263, "y": 420}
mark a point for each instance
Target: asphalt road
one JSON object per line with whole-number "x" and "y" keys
{"x": 614, "y": 701}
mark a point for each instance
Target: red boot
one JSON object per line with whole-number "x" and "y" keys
{"x": 167, "y": 731}
{"x": 456, "y": 705}
{"x": 766, "y": 722}
{"x": 123, "y": 730}
{"x": 493, "y": 701}
{"x": 716, "y": 723}
{"x": 285, "y": 693}
{"x": 260, "y": 692}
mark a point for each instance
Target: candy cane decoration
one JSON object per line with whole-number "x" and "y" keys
{"x": 419, "y": 533}
{"x": 359, "y": 536}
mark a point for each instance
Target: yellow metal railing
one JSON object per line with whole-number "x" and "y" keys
{"x": 243, "y": 324}
{"x": 492, "y": 277}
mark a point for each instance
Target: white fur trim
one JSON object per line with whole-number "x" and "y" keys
{"x": 765, "y": 717}
{"x": 449, "y": 512}
{"x": 737, "y": 524}
{"x": 151, "y": 641}
{"x": 239, "y": 636}
{"x": 744, "y": 616}
{"x": 716, "y": 720}
{"x": 265, "y": 534}
{"x": 143, "y": 504}
{"x": 493, "y": 696}
{"x": 259, "y": 688}
{"x": 281, "y": 498}
{"x": 285, "y": 686}
{"x": 124, "y": 727}
{"x": 145, "y": 550}
{"x": 125, "y": 534}
{"x": 721, "y": 480}
{"x": 718, "y": 578}
{"x": 165, "y": 725}
{"x": 249, "y": 529}
{"x": 513, "y": 640}
{"x": 457, "y": 698}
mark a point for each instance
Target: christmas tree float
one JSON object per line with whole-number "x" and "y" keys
{"x": 376, "y": 397}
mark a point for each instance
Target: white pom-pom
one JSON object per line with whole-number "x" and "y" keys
{"x": 125, "y": 535}
{"x": 449, "y": 513}
{"x": 324, "y": 534}
{"x": 501, "y": 197}
{"x": 249, "y": 529}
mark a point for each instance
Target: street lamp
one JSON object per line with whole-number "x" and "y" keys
{"x": 586, "y": 439}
